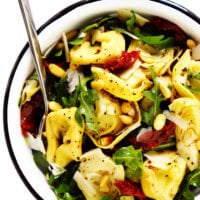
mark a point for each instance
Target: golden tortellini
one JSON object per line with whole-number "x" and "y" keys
{"x": 112, "y": 43}
{"x": 62, "y": 126}
{"x": 163, "y": 173}
{"x": 116, "y": 86}
{"x": 115, "y": 119}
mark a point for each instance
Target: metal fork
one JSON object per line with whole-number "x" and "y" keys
{"x": 37, "y": 56}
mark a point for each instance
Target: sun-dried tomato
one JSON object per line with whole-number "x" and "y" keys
{"x": 152, "y": 139}
{"x": 130, "y": 188}
{"x": 166, "y": 27}
{"x": 125, "y": 61}
{"x": 31, "y": 113}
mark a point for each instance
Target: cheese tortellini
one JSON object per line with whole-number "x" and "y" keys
{"x": 117, "y": 86}
{"x": 163, "y": 173}
{"x": 115, "y": 120}
{"x": 112, "y": 43}
{"x": 61, "y": 125}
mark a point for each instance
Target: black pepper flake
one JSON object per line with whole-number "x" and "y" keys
{"x": 68, "y": 141}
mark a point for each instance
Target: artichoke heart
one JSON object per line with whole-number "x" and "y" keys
{"x": 159, "y": 59}
{"x": 97, "y": 174}
{"x": 162, "y": 174}
{"x": 30, "y": 88}
{"x": 184, "y": 76}
{"x": 187, "y": 139}
{"x": 64, "y": 137}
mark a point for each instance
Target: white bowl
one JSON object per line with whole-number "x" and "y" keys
{"x": 67, "y": 19}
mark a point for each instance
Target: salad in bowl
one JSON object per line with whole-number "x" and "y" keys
{"x": 123, "y": 85}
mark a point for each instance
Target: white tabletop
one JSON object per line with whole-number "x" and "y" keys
{"x": 13, "y": 37}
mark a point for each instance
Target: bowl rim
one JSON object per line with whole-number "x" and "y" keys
{"x": 20, "y": 56}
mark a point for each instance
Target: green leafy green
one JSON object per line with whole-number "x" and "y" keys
{"x": 131, "y": 30}
{"x": 196, "y": 75}
{"x": 40, "y": 161}
{"x": 106, "y": 198}
{"x": 83, "y": 98}
{"x": 61, "y": 91}
{"x": 193, "y": 90}
{"x": 155, "y": 96}
{"x": 131, "y": 159}
{"x": 157, "y": 40}
{"x": 33, "y": 76}
{"x": 64, "y": 186}
{"x": 87, "y": 98}
{"x": 189, "y": 183}
{"x": 58, "y": 53}
{"x": 76, "y": 41}
{"x": 130, "y": 22}
{"x": 71, "y": 100}
{"x": 97, "y": 23}
{"x": 67, "y": 196}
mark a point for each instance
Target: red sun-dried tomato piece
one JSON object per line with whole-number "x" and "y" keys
{"x": 166, "y": 27}
{"x": 125, "y": 61}
{"x": 31, "y": 113}
{"x": 130, "y": 188}
{"x": 152, "y": 139}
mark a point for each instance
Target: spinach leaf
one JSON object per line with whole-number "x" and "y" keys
{"x": 59, "y": 53}
{"x": 76, "y": 41}
{"x": 157, "y": 40}
{"x": 131, "y": 159}
{"x": 33, "y": 76}
{"x": 130, "y": 22}
{"x": 60, "y": 90}
{"x": 83, "y": 98}
{"x": 106, "y": 198}
{"x": 87, "y": 98}
{"x": 196, "y": 75}
{"x": 193, "y": 90}
{"x": 189, "y": 183}
{"x": 40, "y": 161}
{"x": 71, "y": 100}
{"x": 156, "y": 97}
{"x": 64, "y": 186}
{"x": 97, "y": 23}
